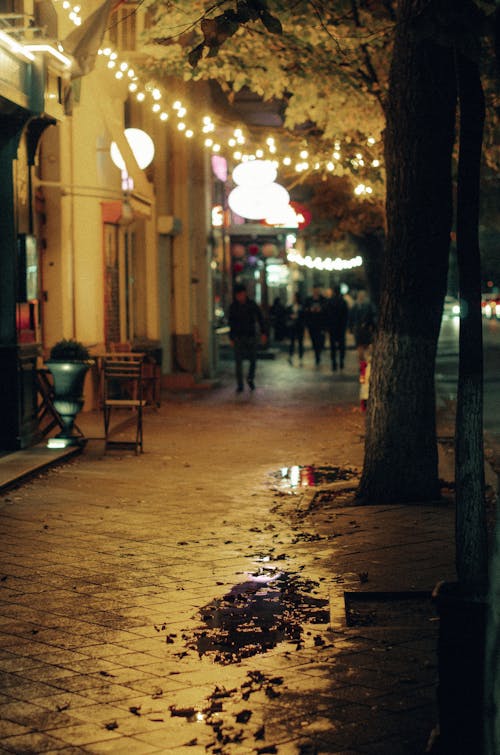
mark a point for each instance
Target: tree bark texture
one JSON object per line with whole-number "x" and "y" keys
{"x": 492, "y": 666}
{"x": 372, "y": 249}
{"x": 471, "y": 535}
{"x": 401, "y": 450}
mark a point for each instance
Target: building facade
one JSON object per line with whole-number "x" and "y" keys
{"x": 89, "y": 250}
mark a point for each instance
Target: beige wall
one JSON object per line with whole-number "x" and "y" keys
{"x": 78, "y": 176}
{"x": 171, "y": 276}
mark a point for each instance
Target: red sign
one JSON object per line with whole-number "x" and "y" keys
{"x": 304, "y": 216}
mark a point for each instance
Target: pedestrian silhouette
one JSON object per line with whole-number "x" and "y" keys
{"x": 362, "y": 321}
{"x": 246, "y": 323}
{"x": 315, "y": 321}
{"x": 336, "y": 317}
{"x": 277, "y": 312}
{"x": 296, "y": 327}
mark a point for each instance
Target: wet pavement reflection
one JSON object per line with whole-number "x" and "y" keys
{"x": 297, "y": 476}
{"x": 254, "y": 616}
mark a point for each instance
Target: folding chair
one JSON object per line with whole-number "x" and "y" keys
{"x": 123, "y": 390}
{"x": 120, "y": 346}
{"x": 151, "y": 372}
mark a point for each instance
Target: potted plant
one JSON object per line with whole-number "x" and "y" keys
{"x": 68, "y": 363}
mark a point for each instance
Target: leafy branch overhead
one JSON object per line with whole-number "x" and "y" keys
{"x": 218, "y": 29}
{"x": 325, "y": 63}
{"x": 305, "y": 55}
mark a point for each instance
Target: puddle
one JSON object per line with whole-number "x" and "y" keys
{"x": 270, "y": 607}
{"x": 312, "y": 476}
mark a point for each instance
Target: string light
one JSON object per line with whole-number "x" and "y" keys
{"x": 307, "y": 160}
{"x": 72, "y": 12}
{"x": 318, "y": 263}
{"x": 362, "y": 189}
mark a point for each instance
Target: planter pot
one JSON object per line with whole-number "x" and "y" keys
{"x": 68, "y": 378}
{"x": 461, "y": 658}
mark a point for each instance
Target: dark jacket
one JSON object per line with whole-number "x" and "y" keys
{"x": 244, "y": 318}
{"x": 295, "y": 317}
{"x": 336, "y": 314}
{"x": 362, "y": 322}
{"x": 314, "y": 312}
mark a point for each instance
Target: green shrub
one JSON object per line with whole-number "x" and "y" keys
{"x": 69, "y": 350}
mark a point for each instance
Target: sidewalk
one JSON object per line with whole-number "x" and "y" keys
{"x": 192, "y": 599}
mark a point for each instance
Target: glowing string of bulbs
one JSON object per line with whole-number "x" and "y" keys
{"x": 73, "y": 11}
{"x": 318, "y": 263}
{"x": 303, "y": 163}
{"x": 242, "y": 146}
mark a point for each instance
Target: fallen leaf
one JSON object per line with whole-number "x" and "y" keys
{"x": 243, "y": 716}
{"x": 260, "y": 733}
{"x": 182, "y": 712}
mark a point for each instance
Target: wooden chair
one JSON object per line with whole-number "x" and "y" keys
{"x": 123, "y": 390}
{"x": 120, "y": 347}
{"x": 151, "y": 373}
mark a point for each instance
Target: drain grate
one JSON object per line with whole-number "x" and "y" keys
{"x": 391, "y": 608}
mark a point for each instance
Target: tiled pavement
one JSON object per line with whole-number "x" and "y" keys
{"x": 111, "y": 564}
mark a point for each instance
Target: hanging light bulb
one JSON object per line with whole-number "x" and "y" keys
{"x": 254, "y": 173}
{"x": 142, "y": 147}
{"x": 258, "y": 203}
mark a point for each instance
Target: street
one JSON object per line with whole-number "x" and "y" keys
{"x": 446, "y": 373}
{"x": 193, "y": 599}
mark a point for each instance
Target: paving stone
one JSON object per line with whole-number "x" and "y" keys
{"x": 32, "y": 743}
{"x": 109, "y": 556}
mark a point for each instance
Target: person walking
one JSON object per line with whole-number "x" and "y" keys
{"x": 315, "y": 321}
{"x": 277, "y": 312}
{"x": 362, "y": 321}
{"x": 336, "y": 316}
{"x": 245, "y": 323}
{"x": 296, "y": 327}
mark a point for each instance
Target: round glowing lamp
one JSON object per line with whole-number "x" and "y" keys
{"x": 286, "y": 217}
{"x": 257, "y": 204}
{"x": 254, "y": 173}
{"x": 142, "y": 147}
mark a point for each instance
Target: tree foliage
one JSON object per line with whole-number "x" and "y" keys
{"x": 327, "y": 62}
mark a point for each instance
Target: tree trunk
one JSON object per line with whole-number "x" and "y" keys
{"x": 471, "y": 535}
{"x": 401, "y": 451}
{"x": 372, "y": 248}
